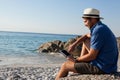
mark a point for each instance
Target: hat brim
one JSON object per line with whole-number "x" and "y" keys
{"x": 92, "y": 17}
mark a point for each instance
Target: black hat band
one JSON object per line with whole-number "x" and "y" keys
{"x": 91, "y": 15}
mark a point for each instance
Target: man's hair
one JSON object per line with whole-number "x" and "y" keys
{"x": 89, "y": 18}
{"x": 98, "y": 19}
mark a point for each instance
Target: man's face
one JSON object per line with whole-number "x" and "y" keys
{"x": 88, "y": 22}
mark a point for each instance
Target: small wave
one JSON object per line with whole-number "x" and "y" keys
{"x": 34, "y": 50}
{"x": 21, "y": 47}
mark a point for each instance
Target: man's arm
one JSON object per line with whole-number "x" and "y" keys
{"x": 78, "y": 41}
{"x": 88, "y": 57}
{"x": 81, "y": 39}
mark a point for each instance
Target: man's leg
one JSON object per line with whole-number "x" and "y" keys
{"x": 69, "y": 65}
{"x": 65, "y": 68}
{"x": 87, "y": 68}
{"x": 85, "y": 47}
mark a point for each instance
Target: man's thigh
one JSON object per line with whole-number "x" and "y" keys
{"x": 87, "y": 68}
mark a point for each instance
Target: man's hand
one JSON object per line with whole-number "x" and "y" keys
{"x": 71, "y": 48}
{"x": 71, "y": 58}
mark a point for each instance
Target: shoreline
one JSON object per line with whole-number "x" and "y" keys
{"x": 39, "y": 59}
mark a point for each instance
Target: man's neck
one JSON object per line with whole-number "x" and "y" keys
{"x": 94, "y": 24}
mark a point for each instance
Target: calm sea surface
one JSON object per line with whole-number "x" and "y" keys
{"x": 19, "y": 47}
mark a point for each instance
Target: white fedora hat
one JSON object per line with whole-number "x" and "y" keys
{"x": 91, "y": 13}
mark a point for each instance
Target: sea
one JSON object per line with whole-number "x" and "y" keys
{"x": 22, "y": 48}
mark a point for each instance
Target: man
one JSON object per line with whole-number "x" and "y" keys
{"x": 99, "y": 53}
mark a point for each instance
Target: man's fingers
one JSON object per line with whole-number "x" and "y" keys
{"x": 70, "y": 58}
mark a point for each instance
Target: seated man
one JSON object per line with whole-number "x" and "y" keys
{"x": 99, "y": 53}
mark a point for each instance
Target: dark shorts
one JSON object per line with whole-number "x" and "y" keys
{"x": 87, "y": 68}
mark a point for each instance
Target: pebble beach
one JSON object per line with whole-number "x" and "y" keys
{"x": 30, "y": 68}
{"x": 28, "y": 73}
{"x": 44, "y": 72}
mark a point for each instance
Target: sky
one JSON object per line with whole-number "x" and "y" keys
{"x": 55, "y": 16}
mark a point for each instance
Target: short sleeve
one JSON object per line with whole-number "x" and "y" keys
{"x": 97, "y": 39}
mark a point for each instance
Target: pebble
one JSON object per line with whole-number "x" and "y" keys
{"x": 47, "y": 73}
{"x": 94, "y": 77}
{"x": 28, "y": 73}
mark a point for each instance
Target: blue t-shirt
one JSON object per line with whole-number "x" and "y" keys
{"x": 103, "y": 39}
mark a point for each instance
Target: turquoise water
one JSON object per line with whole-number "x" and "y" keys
{"x": 20, "y": 46}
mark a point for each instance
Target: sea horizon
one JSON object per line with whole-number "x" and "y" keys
{"x": 41, "y": 33}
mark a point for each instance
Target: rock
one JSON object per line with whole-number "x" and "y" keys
{"x": 54, "y": 46}
{"x": 68, "y": 43}
{"x": 14, "y": 77}
{"x": 44, "y": 51}
{"x": 77, "y": 50}
{"x": 57, "y": 42}
{"x": 115, "y": 76}
{"x": 57, "y": 45}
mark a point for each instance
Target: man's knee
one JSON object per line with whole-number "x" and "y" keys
{"x": 87, "y": 41}
{"x": 68, "y": 65}
{"x": 64, "y": 65}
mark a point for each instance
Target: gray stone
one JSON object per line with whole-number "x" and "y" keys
{"x": 115, "y": 76}
{"x": 57, "y": 45}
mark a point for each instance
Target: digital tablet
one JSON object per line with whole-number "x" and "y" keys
{"x": 65, "y": 53}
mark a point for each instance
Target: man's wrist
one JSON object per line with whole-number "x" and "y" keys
{"x": 77, "y": 59}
